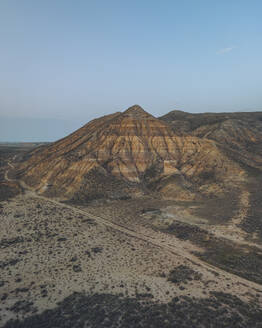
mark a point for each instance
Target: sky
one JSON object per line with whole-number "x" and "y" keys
{"x": 65, "y": 62}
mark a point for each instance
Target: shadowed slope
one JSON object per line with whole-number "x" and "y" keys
{"x": 239, "y": 133}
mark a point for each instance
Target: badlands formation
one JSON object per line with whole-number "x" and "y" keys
{"x": 135, "y": 221}
{"x": 133, "y": 153}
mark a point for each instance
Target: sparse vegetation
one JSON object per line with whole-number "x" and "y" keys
{"x": 183, "y": 274}
{"x": 104, "y": 310}
{"x": 244, "y": 261}
{"x": 133, "y": 274}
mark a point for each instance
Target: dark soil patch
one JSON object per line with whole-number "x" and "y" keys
{"x": 105, "y": 310}
{"x": 183, "y": 274}
{"x": 10, "y": 242}
{"x": 77, "y": 268}
{"x": 243, "y": 261}
{"x": 11, "y": 262}
{"x": 235, "y": 260}
{"x": 23, "y": 306}
{"x": 253, "y": 220}
{"x": 9, "y": 190}
{"x": 218, "y": 210}
{"x": 98, "y": 185}
{"x": 97, "y": 249}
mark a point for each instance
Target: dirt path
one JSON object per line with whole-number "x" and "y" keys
{"x": 232, "y": 231}
{"x": 243, "y": 210}
{"x": 159, "y": 240}
{"x": 6, "y": 172}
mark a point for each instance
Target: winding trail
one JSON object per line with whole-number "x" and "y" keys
{"x": 244, "y": 202}
{"x": 6, "y": 172}
{"x": 159, "y": 241}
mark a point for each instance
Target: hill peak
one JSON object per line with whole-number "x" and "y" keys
{"x": 133, "y": 146}
{"x": 136, "y": 111}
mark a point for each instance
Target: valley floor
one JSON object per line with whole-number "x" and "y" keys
{"x": 122, "y": 264}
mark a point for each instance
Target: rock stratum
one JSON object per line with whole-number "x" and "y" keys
{"x": 180, "y": 155}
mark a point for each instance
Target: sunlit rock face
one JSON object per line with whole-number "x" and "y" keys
{"x": 133, "y": 147}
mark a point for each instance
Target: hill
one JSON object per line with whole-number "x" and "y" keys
{"x": 133, "y": 216}
{"x": 131, "y": 153}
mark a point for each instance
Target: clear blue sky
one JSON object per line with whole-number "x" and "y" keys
{"x": 79, "y": 59}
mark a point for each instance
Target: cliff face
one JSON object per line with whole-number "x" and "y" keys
{"x": 127, "y": 153}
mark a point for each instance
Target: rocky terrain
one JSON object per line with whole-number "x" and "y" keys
{"x": 137, "y": 154}
{"x": 135, "y": 221}
{"x": 239, "y": 135}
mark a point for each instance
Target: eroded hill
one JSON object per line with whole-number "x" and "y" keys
{"x": 130, "y": 154}
{"x": 179, "y": 241}
{"x": 238, "y": 134}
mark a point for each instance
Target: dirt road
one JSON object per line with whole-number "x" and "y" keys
{"x": 157, "y": 239}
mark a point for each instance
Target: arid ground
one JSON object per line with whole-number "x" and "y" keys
{"x": 142, "y": 262}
